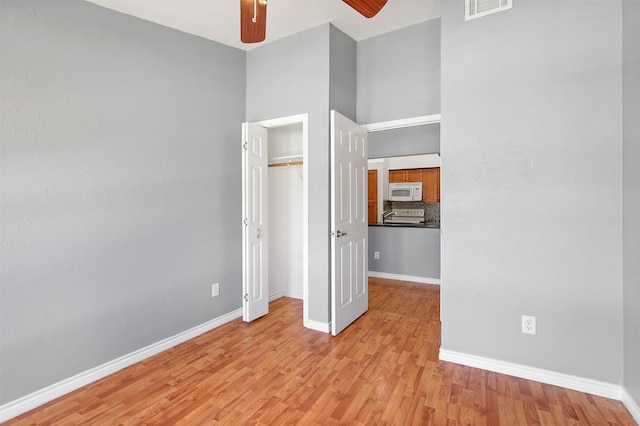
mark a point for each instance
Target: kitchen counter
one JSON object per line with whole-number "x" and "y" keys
{"x": 407, "y": 225}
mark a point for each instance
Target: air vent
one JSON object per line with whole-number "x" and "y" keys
{"x": 478, "y": 8}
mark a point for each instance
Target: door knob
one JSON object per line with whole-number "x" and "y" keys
{"x": 340, "y": 234}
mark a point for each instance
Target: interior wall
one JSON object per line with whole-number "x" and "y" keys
{"x": 342, "y": 73}
{"x": 411, "y": 252}
{"x": 399, "y": 74}
{"x": 287, "y": 77}
{"x": 119, "y": 178}
{"x": 531, "y": 137}
{"x": 631, "y": 196}
{"x": 405, "y": 141}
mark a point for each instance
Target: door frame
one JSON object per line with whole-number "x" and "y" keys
{"x": 286, "y": 121}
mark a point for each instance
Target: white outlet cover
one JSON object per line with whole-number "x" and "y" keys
{"x": 528, "y": 324}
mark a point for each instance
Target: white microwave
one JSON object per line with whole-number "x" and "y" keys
{"x": 406, "y": 191}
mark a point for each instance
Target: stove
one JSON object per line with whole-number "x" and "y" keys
{"x": 406, "y": 216}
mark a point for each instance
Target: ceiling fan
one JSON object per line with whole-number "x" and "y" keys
{"x": 253, "y": 16}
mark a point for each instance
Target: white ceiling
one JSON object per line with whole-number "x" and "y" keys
{"x": 219, "y": 20}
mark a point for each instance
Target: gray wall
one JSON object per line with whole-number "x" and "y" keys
{"x": 288, "y": 77}
{"x": 405, "y": 251}
{"x": 631, "y": 195}
{"x": 531, "y": 168}
{"x": 405, "y": 141}
{"x": 342, "y": 73}
{"x": 119, "y": 177}
{"x": 399, "y": 74}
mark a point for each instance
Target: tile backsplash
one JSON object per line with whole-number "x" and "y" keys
{"x": 431, "y": 210}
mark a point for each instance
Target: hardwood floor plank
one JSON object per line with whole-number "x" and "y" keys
{"x": 382, "y": 370}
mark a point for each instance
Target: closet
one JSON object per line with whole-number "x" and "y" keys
{"x": 285, "y": 202}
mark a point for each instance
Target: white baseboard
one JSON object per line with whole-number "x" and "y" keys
{"x": 581, "y": 384}
{"x": 424, "y": 280}
{"x": 631, "y": 405}
{"x": 285, "y": 293}
{"x": 293, "y": 294}
{"x": 276, "y": 295}
{"x": 42, "y": 396}
{"x": 317, "y": 325}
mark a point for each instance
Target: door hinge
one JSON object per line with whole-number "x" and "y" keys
{"x": 245, "y": 146}
{"x": 245, "y": 221}
{"x": 246, "y": 297}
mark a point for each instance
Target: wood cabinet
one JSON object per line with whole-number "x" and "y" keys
{"x": 430, "y": 179}
{"x": 431, "y": 185}
{"x": 372, "y": 182}
{"x": 405, "y": 175}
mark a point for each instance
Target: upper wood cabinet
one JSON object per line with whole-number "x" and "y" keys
{"x": 430, "y": 179}
{"x": 431, "y": 185}
{"x": 405, "y": 175}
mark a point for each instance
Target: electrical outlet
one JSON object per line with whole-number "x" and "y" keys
{"x": 215, "y": 289}
{"x": 376, "y": 255}
{"x": 528, "y": 324}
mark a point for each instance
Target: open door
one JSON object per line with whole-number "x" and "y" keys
{"x": 349, "y": 288}
{"x": 255, "y": 248}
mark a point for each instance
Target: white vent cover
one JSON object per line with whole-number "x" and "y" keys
{"x": 477, "y": 8}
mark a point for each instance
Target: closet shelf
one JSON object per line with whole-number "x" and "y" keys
{"x": 285, "y": 160}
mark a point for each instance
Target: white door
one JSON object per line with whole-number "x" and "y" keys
{"x": 255, "y": 248}
{"x": 349, "y": 289}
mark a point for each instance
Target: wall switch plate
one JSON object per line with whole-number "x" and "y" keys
{"x": 376, "y": 255}
{"x": 215, "y": 289}
{"x": 528, "y": 324}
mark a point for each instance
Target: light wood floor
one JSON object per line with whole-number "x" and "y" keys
{"x": 382, "y": 370}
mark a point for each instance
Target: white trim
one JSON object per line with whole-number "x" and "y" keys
{"x": 403, "y": 122}
{"x": 631, "y": 405}
{"x": 400, "y": 277}
{"x": 283, "y": 121}
{"x": 275, "y": 296}
{"x": 324, "y": 327}
{"x": 293, "y": 294}
{"x": 56, "y": 390}
{"x": 594, "y": 387}
{"x": 285, "y": 293}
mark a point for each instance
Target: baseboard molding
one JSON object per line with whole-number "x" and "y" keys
{"x": 284, "y": 293}
{"x": 293, "y": 294}
{"x": 317, "y": 325}
{"x": 399, "y": 277}
{"x": 581, "y": 384}
{"x": 632, "y": 406}
{"x": 275, "y": 296}
{"x": 42, "y": 396}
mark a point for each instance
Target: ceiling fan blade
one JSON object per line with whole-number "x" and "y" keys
{"x": 253, "y": 21}
{"x": 367, "y": 8}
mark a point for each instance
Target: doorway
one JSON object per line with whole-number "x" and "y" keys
{"x": 282, "y": 203}
{"x": 285, "y": 188}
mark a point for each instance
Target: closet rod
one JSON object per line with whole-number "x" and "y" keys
{"x": 290, "y": 163}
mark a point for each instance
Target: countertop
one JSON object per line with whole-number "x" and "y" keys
{"x": 430, "y": 225}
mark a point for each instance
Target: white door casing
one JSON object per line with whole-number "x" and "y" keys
{"x": 255, "y": 247}
{"x": 349, "y": 241}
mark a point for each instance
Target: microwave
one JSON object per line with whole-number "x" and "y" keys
{"x": 406, "y": 191}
